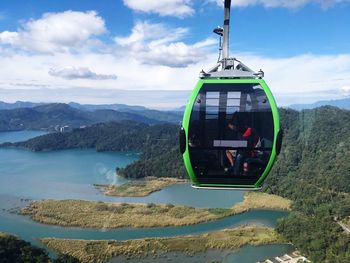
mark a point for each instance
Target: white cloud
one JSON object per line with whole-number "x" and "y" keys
{"x": 300, "y": 79}
{"x": 158, "y": 33}
{"x": 345, "y": 91}
{"x": 177, "y": 8}
{"x": 79, "y": 73}
{"x": 55, "y": 32}
{"x": 304, "y": 78}
{"x": 157, "y": 44}
{"x": 282, "y": 3}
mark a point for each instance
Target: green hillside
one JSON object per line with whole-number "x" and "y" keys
{"x": 314, "y": 171}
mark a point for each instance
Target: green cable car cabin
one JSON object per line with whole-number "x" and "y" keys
{"x": 230, "y": 135}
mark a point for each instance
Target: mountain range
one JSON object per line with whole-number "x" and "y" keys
{"x": 340, "y": 103}
{"x": 87, "y": 107}
{"x": 23, "y": 115}
{"x": 49, "y": 116}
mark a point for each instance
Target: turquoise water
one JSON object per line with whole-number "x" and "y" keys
{"x": 252, "y": 254}
{"x": 59, "y": 174}
{"x": 17, "y": 136}
{"x": 72, "y": 173}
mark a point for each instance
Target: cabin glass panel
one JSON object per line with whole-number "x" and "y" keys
{"x": 231, "y": 133}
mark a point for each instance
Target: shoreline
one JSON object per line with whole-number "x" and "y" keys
{"x": 103, "y": 215}
{"x": 139, "y": 188}
{"x": 103, "y": 250}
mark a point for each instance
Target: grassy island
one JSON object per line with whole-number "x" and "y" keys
{"x": 138, "y": 188}
{"x": 259, "y": 200}
{"x": 100, "y": 251}
{"x": 91, "y": 214}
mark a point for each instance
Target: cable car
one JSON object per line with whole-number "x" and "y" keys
{"x": 230, "y": 135}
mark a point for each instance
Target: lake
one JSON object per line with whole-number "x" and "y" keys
{"x": 70, "y": 174}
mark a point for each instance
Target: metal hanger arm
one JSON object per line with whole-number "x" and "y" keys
{"x": 228, "y": 67}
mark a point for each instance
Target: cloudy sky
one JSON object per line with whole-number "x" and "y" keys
{"x": 100, "y": 51}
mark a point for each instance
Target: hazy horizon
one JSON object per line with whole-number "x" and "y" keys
{"x": 156, "y": 99}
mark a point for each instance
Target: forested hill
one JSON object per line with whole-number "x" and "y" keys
{"x": 111, "y": 136}
{"x": 48, "y": 116}
{"x": 313, "y": 170}
{"x": 316, "y": 149}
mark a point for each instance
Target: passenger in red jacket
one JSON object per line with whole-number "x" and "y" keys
{"x": 243, "y": 133}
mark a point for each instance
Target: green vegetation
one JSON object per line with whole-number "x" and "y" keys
{"x": 142, "y": 187}
{"x": 313, "y": 171}
{"x": 160, "y": 155}
{"x": 90, "y": 214}
{"x": 13, "y": 250}
{"x": 103, "y": 137}
{"x": 101, "y": 251}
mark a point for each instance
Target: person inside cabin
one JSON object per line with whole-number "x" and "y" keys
{"x": 240, "y": 132}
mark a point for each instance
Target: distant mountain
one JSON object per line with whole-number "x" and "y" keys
{"x": 160, "y": 116}
{"x": 85, "y": 107}
{"x": 341, "y": 103}
{"x": 48, "y": 116}
{"x": 18, "y": 104}
{"x": 116, "y": 107}
{"x": 180, "y": 109}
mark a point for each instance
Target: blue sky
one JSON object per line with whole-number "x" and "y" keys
{"x": 54, "y": 47}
